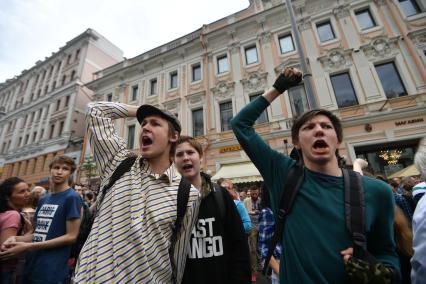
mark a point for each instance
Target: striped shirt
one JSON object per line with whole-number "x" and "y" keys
{"x": 130, "y": 238}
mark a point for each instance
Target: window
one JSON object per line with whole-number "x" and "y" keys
{"x": 196, "y": 72}
{"x": 264, "y": 116}
{"x": 225, "y": 115}
{"x": 19, "y": 143}
{"x": 109, "y": 97}
{"x": 69, "y": 59}
{"x": 34, "y": 137}
{"x": 26, "y": 139}
{"x": 38, "y": 93}
{"x": 173, "y": 80}
{"x": 251, "y": 55}
{"x": 325, "y": 31}
{"x": 222, "y": 64}
{"x": 53, "y": 85}
{"x": 409, "y": 7}
{"x": 197, "y": 122}
{"x": 46, "y": 89}
{"x": 153, "y": 86}
{"x": 64, "y": 78}
{"x": 391, "y": 81}
{"x": 298, "y": 100}
{"x": 135, "y": 92}
{"x": 58, "y": 104}
{"x": 131, "y": 136}
{"x": 41, "y": 134}
{"x": 77, "y": 54}
{"x": 67, "y": 100}
{"x": 344, "y": 90}
{"x": 286, "y": 43}
{"x": 365, "y": 20}
{"x": 52, "y": 130}
{"x": 61, "y": 127}
{"x": 72, "y": 75}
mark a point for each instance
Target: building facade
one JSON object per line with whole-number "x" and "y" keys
{"x": 367, "y": 60}
{"x": 44, "y": 107}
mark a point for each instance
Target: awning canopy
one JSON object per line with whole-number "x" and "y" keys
{"x": 238, "y": 172}
{"x": 406, "y": 172}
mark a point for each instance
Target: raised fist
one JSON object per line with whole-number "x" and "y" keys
{"x": 288, "y": 78}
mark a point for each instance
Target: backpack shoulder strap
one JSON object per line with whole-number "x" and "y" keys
{"x": 218, "y": 196}
{"x": 182, "y": 202}
{"x": 122, "y": 168}
{"x": 293, "y": 182}
{"x": 355, "y": 209}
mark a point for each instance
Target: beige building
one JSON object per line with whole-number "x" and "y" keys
{"x": 367, "y": 60}
{"x": 44, "y": 107}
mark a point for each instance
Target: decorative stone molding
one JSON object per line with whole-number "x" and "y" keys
{"x": 381, "y": 47}
{"x": 342, "y": 11}
{"x": 380, "y": 2}
{"x": 264, "y": 37}
{"x": 289, "y": 62}
{"x": 304, "y": 23}
{"x": 223, "y": 90}
{"x": 418, "y": 38}
{"x": 173, "y": 106}
{"x": 254, "y": 82}
{"x": 336, "y": 59}
{"x": 234, "y": 47}
{"x": 196, "y": 99}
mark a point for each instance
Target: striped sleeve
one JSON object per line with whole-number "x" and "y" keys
{"x": 109, "y": 149}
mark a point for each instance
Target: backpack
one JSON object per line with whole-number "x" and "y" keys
{"x": 354, "y": 210}
{"x": 182, "y": 201}
{"x": 83, "y": 233}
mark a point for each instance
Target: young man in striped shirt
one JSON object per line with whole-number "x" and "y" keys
{"x": 131, "y": 235}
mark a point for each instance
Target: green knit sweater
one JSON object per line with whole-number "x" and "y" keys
{"x": 315, "y": 231}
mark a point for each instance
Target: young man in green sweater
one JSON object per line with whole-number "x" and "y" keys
{"x": 316, "y": 243}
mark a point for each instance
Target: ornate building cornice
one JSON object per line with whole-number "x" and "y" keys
{"x": 254, "y": 82}
{"x": 336, "y": 59}
{"x": 223, "y": 90}
{"x": 381, "y": 47}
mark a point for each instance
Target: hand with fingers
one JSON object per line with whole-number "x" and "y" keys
{"x": 288, "y": 78}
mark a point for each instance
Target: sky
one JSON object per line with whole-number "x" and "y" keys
{"x": 31, "y": 30}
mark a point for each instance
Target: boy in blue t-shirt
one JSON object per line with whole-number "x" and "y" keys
{"x": 57, "y": 221}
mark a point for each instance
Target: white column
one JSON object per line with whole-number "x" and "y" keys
{"x": 40, "y": 125}
{"x": 70, "y": 111}
{"x": 47, "y": 123}
{"x": 14, "y": 141}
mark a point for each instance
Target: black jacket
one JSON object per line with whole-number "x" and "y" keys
{"x": 218, "y": 251}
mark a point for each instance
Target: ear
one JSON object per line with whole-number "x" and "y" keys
{"x": 174, "y": 137}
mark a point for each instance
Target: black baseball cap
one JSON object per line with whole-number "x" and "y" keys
{"x": 147, "y": 110}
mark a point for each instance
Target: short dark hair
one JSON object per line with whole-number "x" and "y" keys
{"x": 6, "y": 188}
{"x": 311, "y": 114}
{"x": 62, "y": 159}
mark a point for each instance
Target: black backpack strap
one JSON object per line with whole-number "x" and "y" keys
{"x": 122, "y": 168}
{"x": 182, "y": 202}
{"x": 293, "y": 182}
{"x": 355, "y": 211}
{"x": 218, "y": 196}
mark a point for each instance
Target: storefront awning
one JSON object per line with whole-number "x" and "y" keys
{"x": 238, "y": 172}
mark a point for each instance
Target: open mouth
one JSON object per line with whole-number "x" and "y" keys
{"x": 146, "y": 141}
{"x": 320, "y": 144}
{"x": 187, "y": 167}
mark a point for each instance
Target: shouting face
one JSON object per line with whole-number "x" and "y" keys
{"x": 318, "y": 141}
{"x": 155, "y": 138}
{"x": 187, "y": 160}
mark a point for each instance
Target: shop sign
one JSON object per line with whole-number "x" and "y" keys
{"x": 410, "y": 121}
{"x": 230, "y": 149}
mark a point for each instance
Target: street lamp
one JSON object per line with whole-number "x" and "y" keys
{"x": 307, "y": 76}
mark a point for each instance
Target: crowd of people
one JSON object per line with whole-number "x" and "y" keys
{"x": 158, "y": 218}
